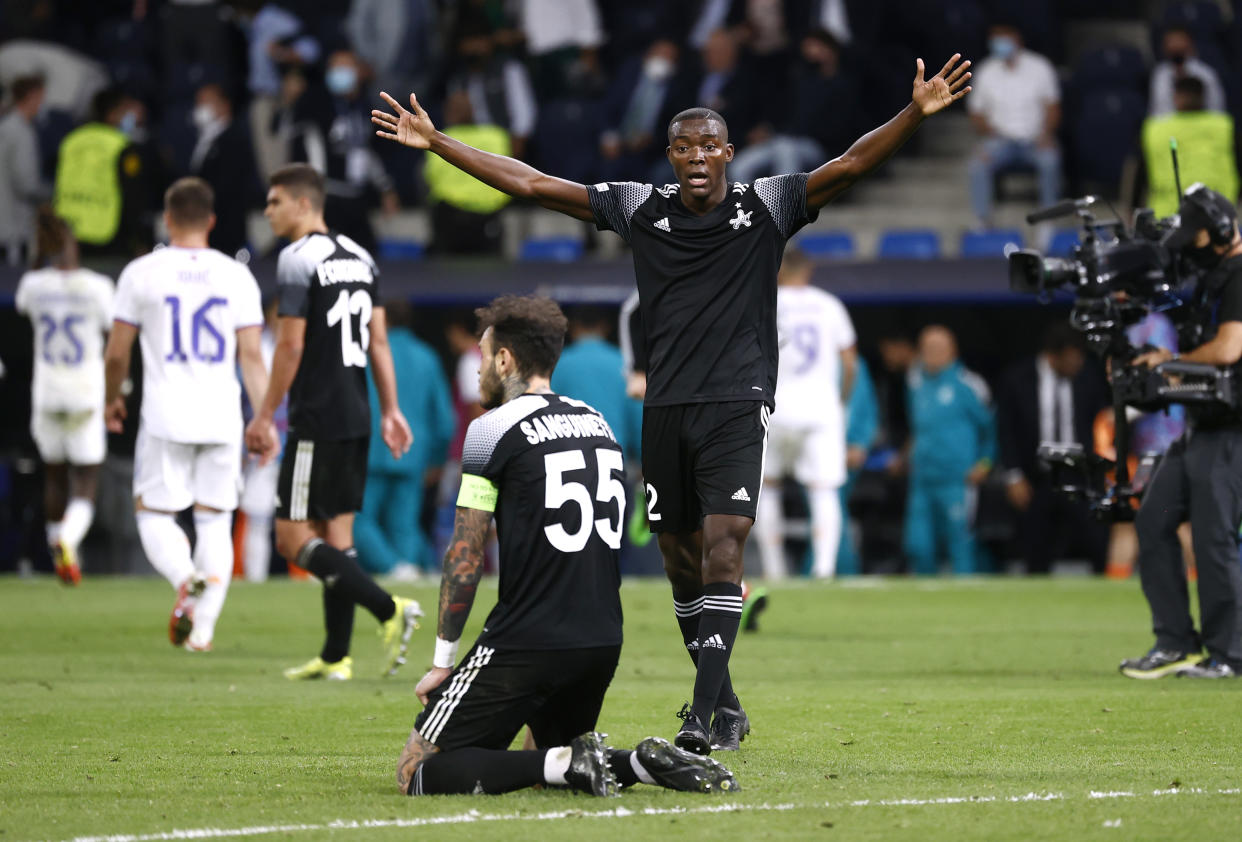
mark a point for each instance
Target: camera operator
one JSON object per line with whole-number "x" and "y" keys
{"x": 1200, "y": 478}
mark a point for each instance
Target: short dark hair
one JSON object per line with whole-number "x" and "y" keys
{"x": 697, "y": 114}
{"x": 300, "y": 180}
{"x": 1192, "y": 87}
{"x": 105, "y": 102}
{"x": 190, "y": 201}
{"x": 1062, "y": 336}
{"x": 794, "y": 259}
{"x": 530, "y": 326}
{"x": 24, "y": 86}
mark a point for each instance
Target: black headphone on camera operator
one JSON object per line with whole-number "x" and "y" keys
{"x": 1202, "y": 207}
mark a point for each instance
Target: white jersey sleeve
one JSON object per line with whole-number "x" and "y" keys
{"x": 247, "y": 304}
{"x": 127, "y": 304}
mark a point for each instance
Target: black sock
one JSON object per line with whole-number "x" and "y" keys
{"x": 722, "y": 614}
{"x": 619, "y": 762}
{"x": 473, "y": 770}
{"x": 688, "y": 606}
{"x": 340, "y": 571}
{"x": 338, "y": 624}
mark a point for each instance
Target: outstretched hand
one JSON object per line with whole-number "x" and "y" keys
{"x": 943, "y": 89}
{"x": 409, "y": 128}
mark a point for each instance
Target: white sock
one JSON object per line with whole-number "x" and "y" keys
{"x": 769, "y": 529}
{"x": 643, "y": 774}
{"x": 257, "y": 547}
{"x": 213, "y": 556}
{"x": 78, "y": 516}
{"x": 556, "y": 764}
{"x": 53, "y": 532}
{"x": 825, "y": 530}
{"x": 166, "y": 546}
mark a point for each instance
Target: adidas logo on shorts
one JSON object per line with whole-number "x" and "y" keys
{"x": 662, "y": 224}
{"x": 741, "y": 494}
{"x": 714, "y": 642}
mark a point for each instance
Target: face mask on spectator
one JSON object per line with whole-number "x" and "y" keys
{"x": 129, "y": 124}
{"x": 1178, "y": 58}
{"x": 204, "y": 117}
{"x": 658, "y": 68}
{"x": 1002, "y": 46}
{"x": 341, "y": 80}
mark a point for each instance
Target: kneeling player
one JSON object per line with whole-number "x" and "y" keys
{"x": 550, "y": 469}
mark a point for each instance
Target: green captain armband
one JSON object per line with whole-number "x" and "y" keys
{"x": 477, "y": 493}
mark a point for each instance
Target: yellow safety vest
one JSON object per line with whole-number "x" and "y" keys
{"x": 88, "y": 185}
{"x": 448, "y": 184}
{"x": 1204, "y": 153}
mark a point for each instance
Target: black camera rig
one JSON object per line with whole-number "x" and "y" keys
{"x": 1118, "y": 275}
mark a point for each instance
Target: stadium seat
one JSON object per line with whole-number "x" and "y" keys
{"x": 1201, "y": 17}
{"x": 828, "y": 244}
{"x": 989, "y": 243}
{"x": 1114, "y": 68}
{"x": 1063, "y": 242}
{"x": 916, "y": 244}
{"x": 556, "y": 249}
{"x": 183, "y": 79}
{"x": 401, "y": 250}
{"x": 1104, "y": 131}
{"x": 566, "y": 140}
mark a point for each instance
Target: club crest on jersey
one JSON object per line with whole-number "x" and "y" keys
{"x": 742, "y": 218}
{"x": 668, "y": 190}
{"x": 740, "y": 189}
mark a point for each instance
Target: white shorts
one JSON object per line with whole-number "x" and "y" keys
{"x": 170, "y": 476}
{"x": 258, "y": 497}
{"x": 76, "y": 437}
{"x": 813, "y": 456}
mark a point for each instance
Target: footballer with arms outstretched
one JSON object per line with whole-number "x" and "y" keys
{"x": 198, "y": 315}
{"x": 550, "y": 470}
{"x": 706, "y": 254}
{"x": 330, "y": 323}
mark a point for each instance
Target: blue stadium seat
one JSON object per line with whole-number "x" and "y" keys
{"x": 566, "y": 140}
{"x": 1063, "y": 242}
{"x": 557, "y": 249}
{"x": 989, "y": 243}
{"x": 390, "y": 249}
{"x": 1104, "y": 132}
{"x": 827, "y": 244}
{"x": 1201, "y": 17}
{"x": 1113, "y": 68}
{"x": 918, "y": 244}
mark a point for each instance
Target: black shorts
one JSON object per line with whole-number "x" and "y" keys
{"x": 321, "y": 479}
{"x": 702, "y": 459}
{"x": 494, "y": 692}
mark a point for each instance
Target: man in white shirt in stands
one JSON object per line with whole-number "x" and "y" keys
{"x": 199, "y": 315}
{"x": 1016, "y": 109}
{"x": 806, "y": 439}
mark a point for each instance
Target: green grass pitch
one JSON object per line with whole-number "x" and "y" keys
{"x": 921, "y": 710}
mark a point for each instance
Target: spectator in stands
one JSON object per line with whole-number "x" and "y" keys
{"x": 102, "y": 181}
{"x": 816, "y": 122}
{"x": 563, "y": 39}
{"x": 222, "y": 157}
{"x": 952, "y": 444}
{"x": 496, "y": 82}
{"x": 335, "y": 137}
{"x": 1051, "y": 398}
{"x": 862, "y": 420}
{"x": 897, "y": 357}
{"x": 1015, "y": 108}
{"x": 723, "y": 85}
{"x": 639, "y": 104}
{"x": 278, "y": 39}
{"x": 591, "y": 369}
{"x": 387, "y": 531}
{"x": 1181, "y": 60}
{"x": 1206, "y": 148}
{"x": 399, "y": 39}
{"x": 465, "y": 212}
{"x": 20, "y": 188}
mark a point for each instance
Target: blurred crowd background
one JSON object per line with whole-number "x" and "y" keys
{"x": 1069, "y": 98}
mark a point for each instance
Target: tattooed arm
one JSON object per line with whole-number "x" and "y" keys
{"x": 463, "y": 567}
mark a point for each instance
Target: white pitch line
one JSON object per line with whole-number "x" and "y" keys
{"x": 620, "y": 813}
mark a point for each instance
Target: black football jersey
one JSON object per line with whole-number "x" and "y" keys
{"x": 333, "y": 283}
{"x": 707, "y": 284}
{"x": 553, "y": 470}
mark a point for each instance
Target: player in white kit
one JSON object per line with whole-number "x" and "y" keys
{"x": 806, "y": 437}
{"x": 198, "y": 315}
{"x": 71, "y": 310}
